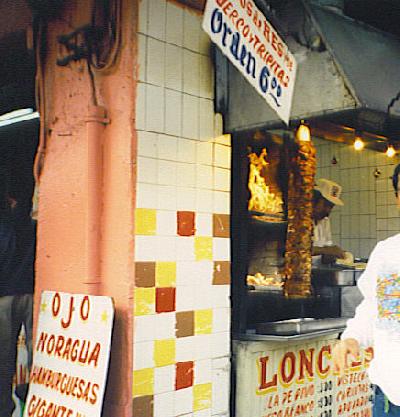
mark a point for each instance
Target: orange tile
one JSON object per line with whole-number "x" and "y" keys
{"x": 165, "y": 299}
{"x": 184, "y": 375}
{"x": 186, "y": 223}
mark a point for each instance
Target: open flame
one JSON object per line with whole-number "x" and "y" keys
{"x": 262, "y": 199}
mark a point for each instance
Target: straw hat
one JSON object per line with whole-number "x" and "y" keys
{"x": 330, "y": 190}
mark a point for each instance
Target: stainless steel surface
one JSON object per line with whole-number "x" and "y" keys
{"x": 300, "y": 326}
{"x": 329, "y": 276}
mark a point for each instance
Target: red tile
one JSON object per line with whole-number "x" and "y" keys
{"x": 184, "y": 375}
{"x": 186, "y": 223}
{"x": 165, "y": 300}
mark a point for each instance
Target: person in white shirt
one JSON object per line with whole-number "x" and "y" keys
{"x": 377, "y": 322}
{"x": 326, "y": 197}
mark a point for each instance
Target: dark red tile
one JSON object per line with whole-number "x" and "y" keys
{"x": 186, "y": 223}
{"x": 165, "y": 300}
{"x": 184, "y": 375}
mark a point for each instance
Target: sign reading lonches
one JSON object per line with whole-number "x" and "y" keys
{"x": 70, "y": 356}
{"x": 250, "y": 42}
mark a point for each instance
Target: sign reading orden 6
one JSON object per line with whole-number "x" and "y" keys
{"x": 254, "y": 47}
{"x": 301, "y": 382}
{"x": 70, "y": 356}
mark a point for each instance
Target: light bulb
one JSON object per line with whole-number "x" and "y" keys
{"x": 358, "y": 144}
{"x": 303, "y": 133}
{"x": 390, "y": 151}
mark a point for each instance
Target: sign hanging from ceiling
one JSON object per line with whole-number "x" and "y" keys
{"x": 70, "y": 356}
{"x": 250, "y": 42}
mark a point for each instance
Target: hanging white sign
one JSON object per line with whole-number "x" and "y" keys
{"x": 70, "y": 356}
{"x": 250, "y": 42}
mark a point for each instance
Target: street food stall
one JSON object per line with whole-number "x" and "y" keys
{"x": 287, "y": 315}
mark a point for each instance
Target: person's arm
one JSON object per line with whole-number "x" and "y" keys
{"x": 359, "y": 330}
{"x": 334, "y": 251}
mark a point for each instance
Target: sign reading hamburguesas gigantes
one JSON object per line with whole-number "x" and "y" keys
{"x": 250, "y": 42}
{"x": 70, "y": 356}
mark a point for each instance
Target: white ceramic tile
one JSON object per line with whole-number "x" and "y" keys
{"x": 218, "y": 130}
{"x": 183, "y": 401}
{"x": 146, "y": 169}
{"x": 142, "y": 57}
{"x": 185, "y": 273}
{"x": 146, "y": 195}
{"x": 155, "y": 108}
{"x": 157, "y": 20}
{"x": 222, "y": 202}
{"x": 174, "y": 24}
{"x": 206, "y": 119}
{"x": 184, "y": 298}
{"x": 143, "y": 355}
{"x": 186, "y": 150}
{"x": 204, "y": 298}
{"x": 190, "y": 122}
{"x": 202, "y": 413}
{"x": 221, "y": 248}
{"x": 204, "y": 153}
{"x": 166, "y": 197}
{"x": 166, "y": 223}
{"x": 203, "y": 346}
{"x": 222, "y": 364}
{"x": 144, "y": 248}
{"x": 221, "y": 296}
{"x": 221, "y": 320}
{"x": 220, "y": 392}
{"x": 165, "y": 248}
{"x": 186, "y": 175}
{"x": 206, "y": 84}
{"x": 143, "y": 16}
{"x": 140, "y": 117}
{"x": 204, "y": 176}
{"x": 144, "y": 330}
{"x": 191, "y": 31}
{"x": 164, "y": 379}
{"x": 186, "y": 198}
{"x": 204, "y": 271}
{"x": 167, "y": 147}
{"x": 222, "y": 179}
{"x": 222, "y": 156}
{"x": 204, "y": 43}
{"x": 164, "y": 405}
{"x": 202, "y": 371}
{"x": 204, "y": 201}
{"x": 174, "y": 67}
{"x": 173, "y": 112}
{"x": 184, "y": 348}
{"x": 155, "y": 62}
{"x": 147, "y": 144}
{"x": 166, "y": 172}
{"x": 204, "y": 224}
{"x": 191, "y": 72}
{"x": 185, "y": 248}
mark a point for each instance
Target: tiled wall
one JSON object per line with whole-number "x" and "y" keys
{"x": 370, "y": 213}
{"x": 182, "y": 245}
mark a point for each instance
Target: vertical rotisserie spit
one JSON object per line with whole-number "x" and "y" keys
{"x": 302, "y": 167}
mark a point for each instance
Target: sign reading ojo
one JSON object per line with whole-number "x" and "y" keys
{"x": 70, "y": 356}
{"x": 251, "y": 43}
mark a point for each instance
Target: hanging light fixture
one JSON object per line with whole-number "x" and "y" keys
{"x": 303, "y": 133}
{"x": 358, "y": 144}
{"x": 390, "y": 151}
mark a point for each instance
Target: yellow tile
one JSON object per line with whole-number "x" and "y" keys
{"x": 145, "y": 221}
{"x": 203, "y": 321}
{"x": 202, "y": 395}
{"x": 203, "y": 248}
{"x": 165, "y": 274}
{"x": 143, "y": 382}
{"x": 164, "y": 352}
{"x": 144, "y": 301}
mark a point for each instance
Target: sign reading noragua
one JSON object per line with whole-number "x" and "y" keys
{"x": 70, "y": 356}
{"x": 250, "y": 42}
